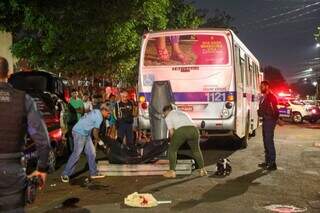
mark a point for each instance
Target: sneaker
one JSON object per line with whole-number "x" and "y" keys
{"x": 170, "y": 174}
{"x": 272, "y": 167}
{"x": 203, "y": 172}
{"x": 97, "y": 177}
{"x": 65, "y": 179}
{"x": 262, "y": 165}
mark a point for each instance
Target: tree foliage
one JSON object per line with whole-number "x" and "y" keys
{"x": 84, "y": 37}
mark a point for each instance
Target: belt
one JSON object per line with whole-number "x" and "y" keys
{"x": 11, "y": 156}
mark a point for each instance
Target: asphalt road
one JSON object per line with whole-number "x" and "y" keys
{"x": 247, "y": 189}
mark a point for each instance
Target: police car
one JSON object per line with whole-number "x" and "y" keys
{"x": 295, "y": 110}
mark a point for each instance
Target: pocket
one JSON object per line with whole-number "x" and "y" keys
{"x": 11, "y": 180}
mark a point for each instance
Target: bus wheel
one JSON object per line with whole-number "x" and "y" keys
{"x": 253, "y": 134}
{"x": 245, "y": 139}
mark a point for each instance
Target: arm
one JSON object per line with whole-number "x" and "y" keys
{"x": 38, "y": 132}
{"x": 96, "y": 136}
{"x": 171, "y": 131}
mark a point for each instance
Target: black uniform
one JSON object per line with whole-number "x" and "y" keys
{"x": 269, "y": 112}
{"x": 124, "y": 116}
{"x": 18, "y": 115}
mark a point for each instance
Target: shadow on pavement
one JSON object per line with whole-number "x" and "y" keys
{"x": 221, "y": 192}
{"x": 69, "y": 205}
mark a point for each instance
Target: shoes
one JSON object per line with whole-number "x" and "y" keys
{"x": 272, "y": 167}
{"x": 65, "y": 179}
{"x": 170, "y": 174}
{"x": 262, "y": 165}
{"x": 203, "y": 172}
{"x": 97, "y": 177}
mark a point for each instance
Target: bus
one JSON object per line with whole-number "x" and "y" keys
{"x": 214, "y": 78}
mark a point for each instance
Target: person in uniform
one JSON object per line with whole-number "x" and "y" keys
{"x": 89, "y": 123}
{"x": 181, "y": 130}
{"x": 18, "y": 116}
{"x": 125, "y": 118}
{"x": 269, "y": 113}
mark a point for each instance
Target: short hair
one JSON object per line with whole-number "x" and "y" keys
{"x": 266, "y": 83}
{"x": 167, "y": 108}
{"x": 4, "y": 67}
{"x": 105, "y": 106}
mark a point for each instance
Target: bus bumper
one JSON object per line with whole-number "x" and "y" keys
{"x": 211, "y": 127}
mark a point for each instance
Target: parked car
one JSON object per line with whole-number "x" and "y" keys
{"x": 314, "y": 107}
{"x": 49, "y": 93}
{"x": 297, "y": 110}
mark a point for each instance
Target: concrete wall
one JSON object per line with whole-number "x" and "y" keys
{"x": 5, "y": 44}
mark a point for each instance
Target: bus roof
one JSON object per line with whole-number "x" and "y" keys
{"x": 208, "y": 30}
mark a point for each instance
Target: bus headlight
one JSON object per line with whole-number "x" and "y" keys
{"x": 225, "y": 113}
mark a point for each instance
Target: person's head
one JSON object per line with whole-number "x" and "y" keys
{"x": 124, "y": 96}
{"x": 85, "y": 97}
{"x": 112, "y": 98}
{"x": 4, "y": 69}
{"x": 264, "y": 87}
{"x": 167, "y": 109}
{"x": 74, "y": 94}
{"x": 105, "y": 110}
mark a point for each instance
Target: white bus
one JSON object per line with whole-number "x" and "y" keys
{"x": 213, "y": 75}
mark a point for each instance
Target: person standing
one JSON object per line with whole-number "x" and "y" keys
{"x": 77, "y": 103}
{"x": 124, "y": 116}
{"x": 181, "y": 130}
{"x": 18, "y": 115}
{"x": 269, "y": 113}
{"x": 90, "y": 123}
{"x": 87, "y": 104}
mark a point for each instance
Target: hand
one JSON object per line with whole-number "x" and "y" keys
{"x": 42, "y": 178}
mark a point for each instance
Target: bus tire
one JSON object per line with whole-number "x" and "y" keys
{"x": 245, "y": 139}
{"x": 253, "y": 134}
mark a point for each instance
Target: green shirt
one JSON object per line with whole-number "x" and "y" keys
{"x": 77, "y": 104}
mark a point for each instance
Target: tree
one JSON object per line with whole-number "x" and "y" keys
{"x": 220, "y": 19}
{"x": 275, "y": 78}
{"x": 90, "y": 37}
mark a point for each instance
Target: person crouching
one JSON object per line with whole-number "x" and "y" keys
{"x": 82, "y": 141}
{"x": 181, "y": 130}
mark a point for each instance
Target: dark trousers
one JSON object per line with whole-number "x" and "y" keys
{"x": 186, "y": 134}
{"x": 125, "y": 130}
{"x": 268, "y": 127}
{"x": 12, "y": 186}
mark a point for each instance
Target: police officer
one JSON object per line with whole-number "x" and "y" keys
{"x": 182, "y": 130}
{"x": 269, "y": 112}
{"x": 18, "y": 115}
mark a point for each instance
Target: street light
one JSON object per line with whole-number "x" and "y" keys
{"x": 318, "y": 45}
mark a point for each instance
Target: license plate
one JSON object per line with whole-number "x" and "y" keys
{"x": 185, "y": 108}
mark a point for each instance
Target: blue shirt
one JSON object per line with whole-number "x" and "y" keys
{"x": 88, "y": 122}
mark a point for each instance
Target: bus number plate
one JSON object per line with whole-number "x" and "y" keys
{"x": 217, "y": 96}
{"x": 185, "y": 108}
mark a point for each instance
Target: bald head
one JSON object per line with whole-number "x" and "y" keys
{"x": 4, "y": 68}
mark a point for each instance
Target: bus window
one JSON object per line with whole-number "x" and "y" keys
{"x": 237, "y": 64}
{"x": 187, "y": 49}
{"x": 243, "y": 70}
{"x": 247, "y": 71}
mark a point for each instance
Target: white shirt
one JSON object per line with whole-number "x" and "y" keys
{"x": 88, "y": 106}
{"x": 176, "y": 119}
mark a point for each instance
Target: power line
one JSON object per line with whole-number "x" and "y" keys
{"x": 283, "y": 14}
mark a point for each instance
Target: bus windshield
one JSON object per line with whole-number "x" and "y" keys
{"x": 189, "y": 49}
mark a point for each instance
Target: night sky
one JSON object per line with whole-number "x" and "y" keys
{"x": 278, "y": 32}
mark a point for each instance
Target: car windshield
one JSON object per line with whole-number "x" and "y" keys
{"x": 297, "y": 102}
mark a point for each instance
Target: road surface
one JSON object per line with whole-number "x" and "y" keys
{"x": 247, "y": 189}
